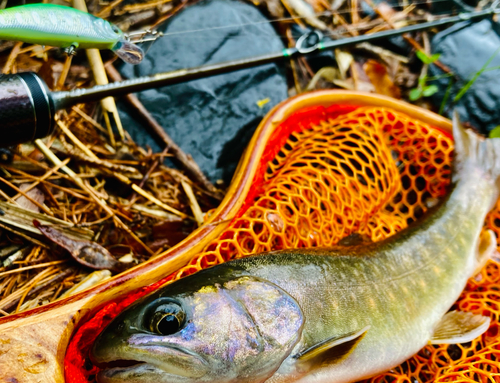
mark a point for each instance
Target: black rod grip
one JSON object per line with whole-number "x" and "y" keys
{"x": 26, "y": 109}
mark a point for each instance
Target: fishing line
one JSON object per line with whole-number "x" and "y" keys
{"x": 338, "y": 32}
{"x": 303, "y": 18}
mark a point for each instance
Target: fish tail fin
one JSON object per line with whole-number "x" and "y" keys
{"x": 470, "y": 148}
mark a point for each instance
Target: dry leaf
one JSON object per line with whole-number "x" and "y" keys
{"x": 385, "y": 10}
{"x": 344, "y": 61}
{"x": 35, "y": 194}
{"x": 274, "y": 7}
{"x": 377, "y": 73}
{"x": 305, "y": 11}
{"x": 360, "y": 80}
{"x": 87, "y": 253}
{"x": 327, "y": 73}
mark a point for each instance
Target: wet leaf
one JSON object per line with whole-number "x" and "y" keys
{"x": 429, "y": 90}
{"x": 87, "y": 253}
{"x": 428, "y": 59}
{"x": 377, "y": 73}
{"x": 495, "y": 133}
{"x": 415, "y": 94}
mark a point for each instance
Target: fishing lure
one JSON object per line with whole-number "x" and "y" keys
{"x": 65, "y": 27}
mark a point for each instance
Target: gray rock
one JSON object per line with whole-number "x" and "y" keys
{"x": 465, "y": 48}
{"x": 211, "y": 119}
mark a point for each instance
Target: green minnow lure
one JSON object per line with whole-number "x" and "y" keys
{"x": 338, "y": 314}
{"x": 65, "y": 27}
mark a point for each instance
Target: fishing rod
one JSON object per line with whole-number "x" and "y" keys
{"x": 28, "y": 107}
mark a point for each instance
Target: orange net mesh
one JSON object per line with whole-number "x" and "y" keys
{"x": 365, "y": 170}
{"x": 339, "y": 177}
{"x": 336, "y": 178}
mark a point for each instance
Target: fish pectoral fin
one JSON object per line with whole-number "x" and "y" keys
{"x": 486, "y": 249}
{"x": 459, "y": 327}
{"x": 331, "y": 350}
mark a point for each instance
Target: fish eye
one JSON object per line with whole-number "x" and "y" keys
{"x": 115, "y": 29}
{"x": 167, "y": 319}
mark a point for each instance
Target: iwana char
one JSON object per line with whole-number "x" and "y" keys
{"x": 317, "y": 315}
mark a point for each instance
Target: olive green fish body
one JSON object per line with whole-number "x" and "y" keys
{"x": 313, "y": 315}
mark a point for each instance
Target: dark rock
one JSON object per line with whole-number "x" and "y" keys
{"x": 465, "y": 48}
{"x": 211, "y": 119}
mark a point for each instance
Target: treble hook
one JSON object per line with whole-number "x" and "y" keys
{"x": 154, "y": 35}
{"x": 301, "y": 46}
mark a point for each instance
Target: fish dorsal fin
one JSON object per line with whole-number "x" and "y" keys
{"x": 331, "y": 350}
{"x": 487, "y": 247}
{"x": 459, "y": 327}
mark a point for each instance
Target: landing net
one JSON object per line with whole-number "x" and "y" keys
{"x": 367, "y": 171}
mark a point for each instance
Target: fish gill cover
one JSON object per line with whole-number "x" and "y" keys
{"x": 328, "y": 173}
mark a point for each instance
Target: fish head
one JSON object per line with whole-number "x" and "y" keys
{"x": 238, "y": 330}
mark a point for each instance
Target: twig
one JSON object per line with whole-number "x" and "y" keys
{"x": 38, "y": 204}
{"x": 56, "y": 161}
{"x": 13, "y": 298}
{"x": 42, "y": 178}
{"x": 119, "y": 176}
{"x": 148, "y": 196}
{"x": 89, "y": 119}
{"x": 108, "y": 104}
{"x": 406, "y": 36}
{"x": 193, "y": 203}
{"x": 64, "y": 73}
{"x": 27, "y": 237}
{"x": 12, "y": 58}
{"x": 183, "y": 159}
{"x": 42, "y": 286}
{"x": 156, "y": 162}
{"x": 32, "y": 267}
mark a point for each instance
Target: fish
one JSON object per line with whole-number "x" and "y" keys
{"x": 65, "y": 27}
{"x": 315, "y": 315}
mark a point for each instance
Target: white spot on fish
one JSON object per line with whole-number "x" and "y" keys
{"x": 19, "y": 18}
{"x": 52, "y": 17}
{"x": 2, "y": 20}
{"x": 36, "y": 17}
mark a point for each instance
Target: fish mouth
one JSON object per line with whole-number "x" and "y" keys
{"x": 119, "y": 363}
{"x": 153, "y": 359}
{"x": 133, "y": 373}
